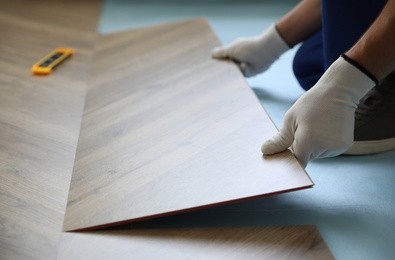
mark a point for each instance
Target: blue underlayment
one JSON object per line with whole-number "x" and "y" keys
{"x": 352, "y": 202}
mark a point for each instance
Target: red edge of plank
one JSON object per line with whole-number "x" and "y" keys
{"x": 183, "y": 211}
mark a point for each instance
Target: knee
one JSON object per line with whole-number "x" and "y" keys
{"x": 308, "y": 63}
{"x": 305, "y": 73}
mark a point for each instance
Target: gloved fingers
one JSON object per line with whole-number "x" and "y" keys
{"x": 220, "y": 52}
{"x": 280, "y": 142}
{"x": 303, "y": 158}
{"x": 307, "y": 151}
{"x": 302, "y": 152}
{"x": 247, "y": 69}
{"x": 306, "y": 148}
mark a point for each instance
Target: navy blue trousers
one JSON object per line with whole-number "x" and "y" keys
{"x": 343, "y": 23}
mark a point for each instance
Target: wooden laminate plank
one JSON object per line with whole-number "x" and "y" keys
{"x": 40, "y": 119}
{"x": 167, "y": 129}
{"x": 288, "y": 242}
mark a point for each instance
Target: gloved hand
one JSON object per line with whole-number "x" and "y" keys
{"x": 255, "y": 54}
{"x": 321, "y": 122}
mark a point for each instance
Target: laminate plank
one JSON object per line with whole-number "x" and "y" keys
{"x": 167, "y": 129}
{"x": 40, "y": 119}
{"x": 288, "y": 242}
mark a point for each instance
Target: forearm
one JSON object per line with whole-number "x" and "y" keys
{"x": 300, "y": 22}
{"x": 375, "y": 51}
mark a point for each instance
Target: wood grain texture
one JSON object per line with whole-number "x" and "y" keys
{"x": 40, "y": 119}
{"x": 289, "y": 242}
{"x": 167, "y": 129}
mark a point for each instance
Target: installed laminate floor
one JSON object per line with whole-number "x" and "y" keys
{"x": 255, "y": 243}
{"x": 39, "y": 119}
{"x": 352, "y": 202}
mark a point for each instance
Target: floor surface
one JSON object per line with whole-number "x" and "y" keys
{"x": 352, "y": 202}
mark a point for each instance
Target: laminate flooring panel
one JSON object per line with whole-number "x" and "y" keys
{"x": 167, "y": 129}
{"x": 40, "y": 119}
{"x": 288, "y": 242}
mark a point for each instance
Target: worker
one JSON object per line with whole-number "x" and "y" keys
{"x": 346, "y": 62}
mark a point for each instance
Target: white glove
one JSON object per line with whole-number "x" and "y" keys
{"x": 255, "y": 54}
{"x": 321, "y": 122}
